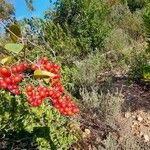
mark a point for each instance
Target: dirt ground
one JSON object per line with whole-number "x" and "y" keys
{"x": 134, "y": 120}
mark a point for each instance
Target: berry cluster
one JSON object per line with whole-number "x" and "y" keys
{"x": 36, "y": 95}
{"x": 56, "y": 92}
{"x": 11, "y": 77}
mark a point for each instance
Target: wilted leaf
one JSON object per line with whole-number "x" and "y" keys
{"x": 42, "y": 74}
{"x": 14, "y": 47}
{"x": 6, "y": 60}
{"x": 15, "y": 28}
{"x": 46, "y": 80}
{"x": 147, "y": 76}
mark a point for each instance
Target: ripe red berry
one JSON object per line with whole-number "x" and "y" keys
{"x": 47, "y": 66}
{"x": 14, "y": 69}
{"x": 8, "y": 80}
{"x": 30, "y": 93}
{"x": 5, "y": 72}
{"x": 42, "y": 94}
{"x": 18, "y": 68}
{"x": 24, "y": 66}
{"x": 68, "y": 97}
{"x": 34, "y": 67}
{"x": 17, "y": 79}
{"x": 3, "y": 84}
{"x": 51, "y": 93}
{"x": 29, "y": 88}
{"x": 45, "y": 60}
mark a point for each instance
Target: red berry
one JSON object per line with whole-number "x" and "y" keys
{"x": 75, "y": 110}
{"x": 3, "y": 84}
{"x": 24, "y": 66}
{"x": 29, "y": 88}
{"x": 18, "y": 68}
{"x": 47, "y": 66}
{"x": 14, "y": 69}
{"x": 45, "y": 89}
{"x": 63, "y": 104}
{"x": 57, "y": 106}
{"x": 68, "y": 97}
{"x": 17, "y": 79}
{"x": 8, "y": 80}
{"x": 10, "y": 87}
{"x": 5, "y": 72}
{"x": 57, "y": 95}
{"x": 51, "y": 93}
{"x": 30, "y": 93}
{"x": 34, "y": 67}
{"x": 39, "y": 101}
{"x": 45, "y": 60}
{"x": 42, "y": 94}
{"x": 60, "y": 100}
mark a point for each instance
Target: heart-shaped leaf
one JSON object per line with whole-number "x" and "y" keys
{"x": 42, "y": 74}
{"x": 14, "y": 47}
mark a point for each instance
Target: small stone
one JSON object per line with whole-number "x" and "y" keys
{"x": 141, "y": 134}
{"x": 127, "y": 115}
{"x": 139, "y": 118}
{"x": 133, "y": 117}
{"x": 87, "y": 131}
{"x": 146, "y": 138}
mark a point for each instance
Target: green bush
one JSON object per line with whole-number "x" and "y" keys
{"x": 48, "y": 127}
{"x": 63, "y": 44}
{"x": 136, "y": 4}
{"x": 84, "y": 20}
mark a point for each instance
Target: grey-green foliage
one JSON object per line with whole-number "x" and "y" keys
{"x": 131, "y": 23}
{"x": 85, "y": 73}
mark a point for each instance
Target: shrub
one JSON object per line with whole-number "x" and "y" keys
{"x": 131, "y": 24}
{"x": 49, "y": 128}
{"x": 136, "y": 4}
{"x": 62, "y": 43}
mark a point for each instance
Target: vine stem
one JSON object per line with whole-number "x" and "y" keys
{"x": 22, "y": 39}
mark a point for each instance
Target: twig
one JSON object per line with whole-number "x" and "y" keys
{"x": 32, "y": 43}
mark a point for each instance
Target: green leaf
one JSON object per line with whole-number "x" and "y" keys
{"x": 42, "y": 74}
{"x": 15, "y": 29}
{"x": 13, "y": 47}
{"x": 6, "y": 60}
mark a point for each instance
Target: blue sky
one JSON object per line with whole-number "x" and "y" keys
{"x": 22, "y": 11}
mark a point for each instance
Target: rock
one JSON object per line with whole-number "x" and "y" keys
{"x": 139, "y": 118}
{"x": 86, "y": 133}
{"x": 127, "y": 115}
{"x": 141, "y": 134}
{"x": 146, "y": 138}
{"x": 133, "y": 117}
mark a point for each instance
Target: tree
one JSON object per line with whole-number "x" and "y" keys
{"x": 6, "y": 10}
{"x": 86, "y": 20}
